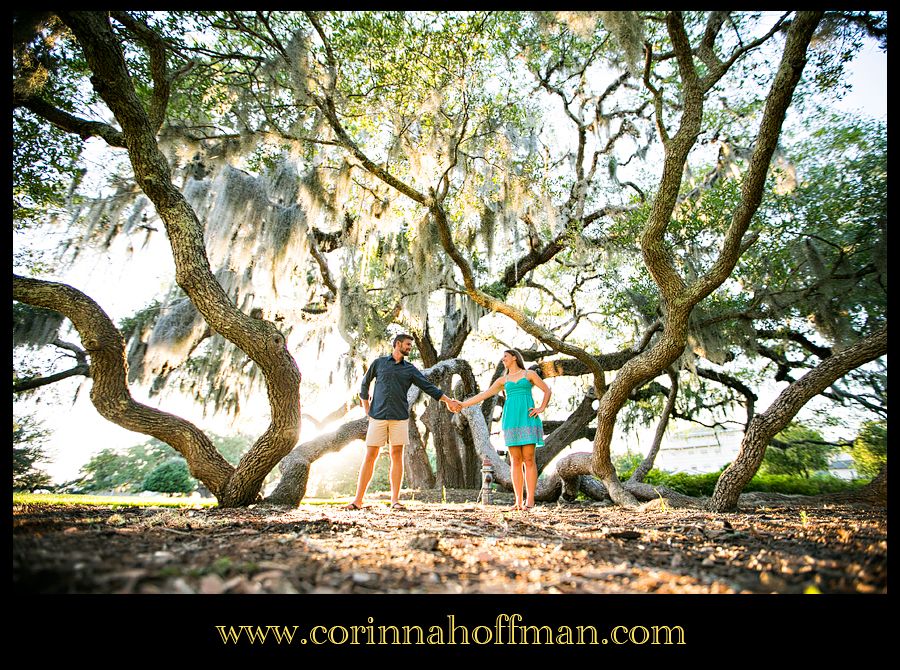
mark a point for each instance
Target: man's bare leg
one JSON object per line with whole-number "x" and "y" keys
{"x": 396, "y": 471}
{"x": 365, "y": 474}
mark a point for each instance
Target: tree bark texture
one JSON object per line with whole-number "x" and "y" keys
{"x": 259, "y": 339}
{"x": 765, "y": 426}
{"x": 457, "y": 451}
{"x": 450, "y": 472}
{"x": 109, "y": 370}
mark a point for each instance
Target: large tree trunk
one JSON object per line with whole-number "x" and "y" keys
{"x": 765, "y": 426}
{"x": 450, "y": 472}
{"x": 260, "y": 339}
{"x": 455, "y": 457}
{"x": 416, "y": 465}
{"x": 109, "y": 371}
{"x": 472, "y": 462}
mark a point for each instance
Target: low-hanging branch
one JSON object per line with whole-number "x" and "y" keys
{"x": 69, "y": 122}
{"x": 36, "y": 382}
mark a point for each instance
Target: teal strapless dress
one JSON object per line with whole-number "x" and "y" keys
{"x": 518, "y": 427}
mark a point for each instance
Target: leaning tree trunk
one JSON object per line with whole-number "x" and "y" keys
{"x": 295, "y": 466}
{"x": 765, "y": 426}
{"x": 260, "y": 339}
{"x": 109, "y": 372}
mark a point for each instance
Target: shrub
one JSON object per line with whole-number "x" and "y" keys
{"x": 28, "y": 452}
{"x": 797, "y": 450}
{"x": 869, "y": 449}
{"x": 172, "y": 476}
{"x": 703, "y": 485}
{"x": 796, "y": 485}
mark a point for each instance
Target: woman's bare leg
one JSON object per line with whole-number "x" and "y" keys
{"x": 531, "y": 474}
{"x": 517, "y": 473}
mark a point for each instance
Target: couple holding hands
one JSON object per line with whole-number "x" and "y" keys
{"x": 389, "y": 418}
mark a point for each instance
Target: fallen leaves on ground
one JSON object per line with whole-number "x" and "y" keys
{"x": 449, "y": 547}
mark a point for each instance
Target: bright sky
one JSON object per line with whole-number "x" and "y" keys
{"x": 78, "y": 431}
{"x": 868, "y": 74}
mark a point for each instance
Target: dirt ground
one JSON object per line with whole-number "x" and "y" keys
{"x": 451, "y": 546}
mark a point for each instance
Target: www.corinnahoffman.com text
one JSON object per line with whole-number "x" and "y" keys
{"x": 505, "y": 629}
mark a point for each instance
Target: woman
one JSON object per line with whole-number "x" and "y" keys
{"x": 523, "y": 430}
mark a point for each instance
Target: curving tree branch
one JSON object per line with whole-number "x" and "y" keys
{"x": 110, "y": 393}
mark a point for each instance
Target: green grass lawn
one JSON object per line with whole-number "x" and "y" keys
{"x": 138, "y": 501}
{"x": 108, "y": 501}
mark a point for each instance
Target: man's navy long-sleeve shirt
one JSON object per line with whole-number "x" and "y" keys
{"x": 394, "y": 380}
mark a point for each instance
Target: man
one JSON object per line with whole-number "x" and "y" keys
{"x": 389, "y": 414}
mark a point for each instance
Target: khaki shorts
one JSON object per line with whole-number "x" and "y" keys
{"x": 387, "y": 431}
